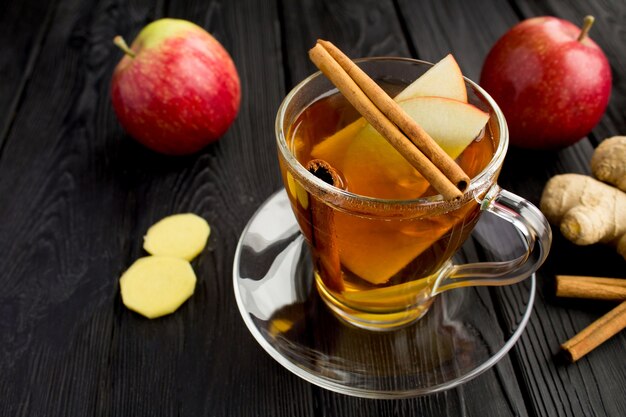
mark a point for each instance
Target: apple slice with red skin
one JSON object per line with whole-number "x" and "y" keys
{"x": 444, "y": 79}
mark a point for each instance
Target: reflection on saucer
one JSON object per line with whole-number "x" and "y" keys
{"x": 459, "y": 337}
{"x": 276, "y": 289}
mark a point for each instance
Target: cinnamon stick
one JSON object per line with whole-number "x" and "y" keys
{"x": 397, "y": 115}
{"x": 362, "y": 103}
{"x": 322, "y": 218}
{"x": 595, "y": 334}
{"x": 590, "y": 287}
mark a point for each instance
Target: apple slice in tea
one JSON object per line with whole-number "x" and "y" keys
{"x": 444, "y": 79}
{"x": 374, "y": 168}
{"x": 437, "y": 101}
{"x": 376, "y": 250}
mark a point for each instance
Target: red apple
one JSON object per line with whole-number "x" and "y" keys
{"x": 176, "y": 89}
{"x": 550, "y": 79}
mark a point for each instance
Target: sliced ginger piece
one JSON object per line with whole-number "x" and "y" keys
{"x": 155, "y": 286}
{"x": 180, "y": 235}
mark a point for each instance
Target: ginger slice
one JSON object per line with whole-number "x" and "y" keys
{"x": 180, "y": 236}
{"x": 155, "y": 286}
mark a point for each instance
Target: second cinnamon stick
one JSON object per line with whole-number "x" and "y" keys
{"x": 596, "y": 333}
{"x": 590, "y": 287}
{"x": 323, "y": 222}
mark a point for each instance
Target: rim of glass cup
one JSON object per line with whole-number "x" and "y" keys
{"x": 477, "y": 184}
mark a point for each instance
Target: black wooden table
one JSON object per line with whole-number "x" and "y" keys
{"x": 77, "y": 194}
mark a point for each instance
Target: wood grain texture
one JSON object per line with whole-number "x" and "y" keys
{"x": 557, "y": 388}
{"x": 551, "y": 387}
{"x": 62, "y": 219}
{"x": 471, "y": 28}
{"x": 77, "y": 195}
{"x": 359, "y": 29}
{"x": 21, "y": 49}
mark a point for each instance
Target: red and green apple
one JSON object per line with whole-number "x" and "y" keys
{"x": 551, "y": 81}
{"x": 176, "y": 89}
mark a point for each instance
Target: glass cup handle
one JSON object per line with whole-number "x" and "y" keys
{"x": 534, "y": 230}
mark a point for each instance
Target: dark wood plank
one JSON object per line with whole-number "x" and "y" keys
{"x": 208, "y": 363}
{"x": 465, "y": 29}
{"x": 552, "y": 388}
{"x": 359, "y": 28}
{"x": 588, "y": 387}
{"x": 65, "y": 219}
{"x": 374, "y": 28}
{"x": 20, "y": 49}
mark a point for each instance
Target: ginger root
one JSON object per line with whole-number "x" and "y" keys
{"x": 608, "y": 162}
{"x": 587, "y": 210}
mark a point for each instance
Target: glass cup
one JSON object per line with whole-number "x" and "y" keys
{"x": 379, "y": 263}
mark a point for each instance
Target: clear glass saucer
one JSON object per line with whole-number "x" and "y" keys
{"x": 459, "y": 338}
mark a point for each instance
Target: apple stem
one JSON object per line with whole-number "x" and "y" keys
{"x": 121, "y": 43}
{"x": 587, "y": 23}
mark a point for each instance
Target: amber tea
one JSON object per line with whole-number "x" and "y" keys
{"x": 374, "y": 263}
{"x": 382, "y": 239}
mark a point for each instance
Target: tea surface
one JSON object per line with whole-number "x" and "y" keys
{"x": 330, "y": 129}
{"x": 369, "y": 263}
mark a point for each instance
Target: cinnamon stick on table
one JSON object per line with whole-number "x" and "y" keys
{"x": 595, "y": 334}
{"x": 369, "y": 110}
{"x": 590, "y": 287}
